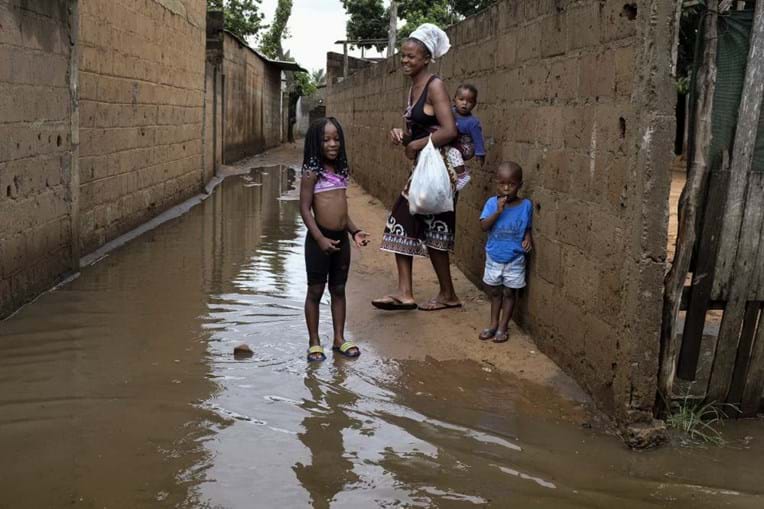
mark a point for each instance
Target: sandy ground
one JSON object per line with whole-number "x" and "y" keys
{"x": 678, "y": 180}
{"x": 441, "y": 335}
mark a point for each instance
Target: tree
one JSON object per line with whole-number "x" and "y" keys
{"x": 367, "y": 20}
{"x": 242, "y": 17}
{"x": 440, "y": 12}
{"x": 304, "y": 84}
{"x": 270, "y": 44}
{"x": 298, "y": 83}
{"x": 319, "y": 77}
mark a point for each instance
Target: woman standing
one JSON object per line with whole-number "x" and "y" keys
{"x": 428, "y": 115}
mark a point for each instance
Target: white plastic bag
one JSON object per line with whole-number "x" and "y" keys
{"x": 430, "y": 191}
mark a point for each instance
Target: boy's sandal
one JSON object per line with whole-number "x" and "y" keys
{"x": 345, "y": 349}
{"x": 316, "y": 349}
{"x": 487, "y": 334}
{"x": 501, "y": 337}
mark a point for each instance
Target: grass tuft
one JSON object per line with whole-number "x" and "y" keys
{"x": 701, "y": 422}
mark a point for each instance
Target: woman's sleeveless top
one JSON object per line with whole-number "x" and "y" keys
{"x": 419, "y": 123}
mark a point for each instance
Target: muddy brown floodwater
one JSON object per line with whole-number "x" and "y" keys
{"x": 120, "y": 390}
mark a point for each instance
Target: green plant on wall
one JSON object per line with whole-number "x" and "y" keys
{"x": 242, "y": 17}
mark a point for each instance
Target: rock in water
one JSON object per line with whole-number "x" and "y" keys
{"x": 242, "y": 351}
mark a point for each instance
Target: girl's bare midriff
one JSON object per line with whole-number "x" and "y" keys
{"x": 331, "y": 209}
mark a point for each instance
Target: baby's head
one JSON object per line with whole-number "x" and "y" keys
{"x": 509, "y": 179}
{"x": 465, "y": 98}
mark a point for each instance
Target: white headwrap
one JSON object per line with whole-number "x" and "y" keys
{"x": 433, "y": 38}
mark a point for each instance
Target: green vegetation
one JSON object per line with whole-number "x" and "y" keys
{"x": 319, "y": 77}
{"x": 440, "y": 12}
{"x": 270, "y": 44}
{"x": 368, "y": 19}
{"x": 700, "y": 422}
{"x": 242, "y": 17}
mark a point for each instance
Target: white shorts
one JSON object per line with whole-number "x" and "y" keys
{"x": 509, "y": 275}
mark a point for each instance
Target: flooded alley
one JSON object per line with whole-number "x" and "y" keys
{"x": 120, "y": 390}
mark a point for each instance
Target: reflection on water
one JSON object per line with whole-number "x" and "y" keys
{"x": 120, "y": 390}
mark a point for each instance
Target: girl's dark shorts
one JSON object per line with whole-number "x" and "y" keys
{"x": 321, "y": 266}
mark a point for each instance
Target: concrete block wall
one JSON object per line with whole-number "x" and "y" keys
{"x": 142, "y": 80}
{"x": 252, "y": 116}
{"x": 579, "y": 93}
{"x": 35, "y": 148}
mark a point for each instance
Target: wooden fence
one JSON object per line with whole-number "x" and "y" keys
{"x": 720, "y": 246}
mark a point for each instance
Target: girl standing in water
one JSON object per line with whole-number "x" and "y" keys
{"x": 324, "y": 210}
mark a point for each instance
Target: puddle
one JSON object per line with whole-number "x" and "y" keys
{"x": 120, "y": 389}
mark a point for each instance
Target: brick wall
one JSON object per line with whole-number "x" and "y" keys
{"x": 35, "y": 148}
{"x": 579, "y": 94}
{"x": 252, "y": 116}
{"x": 335, "y": 66}
{"x": 141, "y": 111}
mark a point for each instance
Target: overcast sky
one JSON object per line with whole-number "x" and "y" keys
{"x": 314, "y": 26}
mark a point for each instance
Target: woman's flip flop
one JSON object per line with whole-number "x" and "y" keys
{"x": 435, "y": 305}
{"x": 391, "y": 303}
{"x": 344, "y": 349}
{"x": 316, "y": 349}
{"x": 501, "y": 337}
{"x": 487, "y": 334}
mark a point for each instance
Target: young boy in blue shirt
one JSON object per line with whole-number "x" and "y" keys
{"x": 469, "y": 141}
{"x": 507, "y": 219}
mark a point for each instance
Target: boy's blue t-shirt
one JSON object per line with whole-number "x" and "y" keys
{"x": 505, "y": 239}
{"x": 470, "y": 125}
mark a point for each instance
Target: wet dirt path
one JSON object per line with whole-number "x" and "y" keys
{"x": 119, "y": 389}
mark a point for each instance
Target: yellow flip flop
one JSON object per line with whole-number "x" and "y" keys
{"x": 344, "y": 348}
{"x": 314, "y": 350}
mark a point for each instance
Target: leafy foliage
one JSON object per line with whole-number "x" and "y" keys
{"x": 304, "y": 84}
{"x": 367, "y": 19}
{"x": 242, "y": 17}
{"x": 699, "y": 422}
{"x": 270, "y": 44}
{"x": 319, "y": 77}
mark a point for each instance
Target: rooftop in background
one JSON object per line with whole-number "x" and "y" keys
{"x": 282, "y": 64}
{"x": 215, "y": 25}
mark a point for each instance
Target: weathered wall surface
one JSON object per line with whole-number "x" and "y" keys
{"x": 579, "y": 93}
{"x": 335, "y": 65}
{"x": 213, "y": 121}
{"x": 35, "y": 148}
{"x": 141, "y": 100}
{"x": 252, "y": 116}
